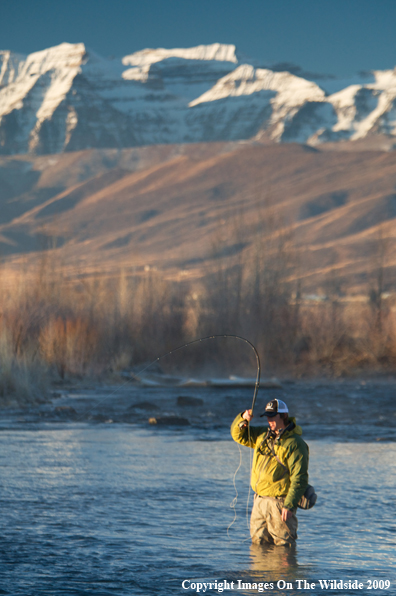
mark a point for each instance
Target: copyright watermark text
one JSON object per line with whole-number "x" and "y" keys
{"x": 200, "y": 587}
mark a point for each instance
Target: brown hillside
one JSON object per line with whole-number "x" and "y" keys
{"x": 185, "y": 209}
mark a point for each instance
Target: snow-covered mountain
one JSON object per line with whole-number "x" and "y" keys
{"x": 68, "y": 98}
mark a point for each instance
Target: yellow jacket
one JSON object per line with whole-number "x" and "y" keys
{"x": 287, "y": 479}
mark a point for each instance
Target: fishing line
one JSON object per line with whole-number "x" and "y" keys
{"x": 173, "y": 351}
{"x": 235, "y": 499}
{"x": 201, "y": 339}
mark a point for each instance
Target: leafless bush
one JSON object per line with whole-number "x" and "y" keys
{"x": 78, "y": 328}
{"x": 251, "y": 293}
{"x": 23, "y": 379}
{"x": 69, "y": 344}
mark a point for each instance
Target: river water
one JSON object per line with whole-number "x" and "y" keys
{"x": 94, "y": 500}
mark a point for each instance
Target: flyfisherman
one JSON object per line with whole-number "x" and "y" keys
{"x": 279, "y": 472}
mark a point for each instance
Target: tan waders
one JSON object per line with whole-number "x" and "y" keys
{"x": 266, "y": 523}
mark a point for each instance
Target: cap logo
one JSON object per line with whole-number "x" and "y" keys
{"x": 274, "y": 407}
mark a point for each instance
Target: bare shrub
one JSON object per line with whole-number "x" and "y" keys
{"x": 379, "y": 341}
{"x": 251, "y": 293}
{"x": 68, "y": 344}
{"x": 326, "y": 338}
{"x": 379, "y": 280}
{"x": 22, "y": 379}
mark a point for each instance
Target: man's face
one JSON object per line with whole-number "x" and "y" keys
{"x": 276, "y": 423}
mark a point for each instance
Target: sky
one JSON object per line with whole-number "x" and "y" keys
{"x": 339, "y": 37}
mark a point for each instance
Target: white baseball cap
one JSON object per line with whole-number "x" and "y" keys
{"x": 274, "y": 407}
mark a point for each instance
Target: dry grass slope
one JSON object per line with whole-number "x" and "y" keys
{"x": 120, "y": 210}
{"x": 113, "y": 257}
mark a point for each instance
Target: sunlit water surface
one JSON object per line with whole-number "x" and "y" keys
{"x": 129, "y": 510}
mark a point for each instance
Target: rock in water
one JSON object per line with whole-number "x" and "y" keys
{"x": 143, "y": 405}
{"x": 169, "y": 421}
{"x": 187, "y": 400}
{"x": 65, "y": 411}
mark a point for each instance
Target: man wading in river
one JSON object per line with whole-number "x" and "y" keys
{"x": 279, "y": 472}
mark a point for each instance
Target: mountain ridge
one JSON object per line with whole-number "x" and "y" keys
{"x": 68, "y": 98}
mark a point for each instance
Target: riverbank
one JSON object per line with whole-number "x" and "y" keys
{"x": 348, "y": 410}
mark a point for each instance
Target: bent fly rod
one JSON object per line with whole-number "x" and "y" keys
{"x": 201, "y": 339}
{"x": 190, "y": 343}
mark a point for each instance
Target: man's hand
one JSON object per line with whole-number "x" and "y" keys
{"x": 247, "y": 415}
{"x": 286, "y": 514}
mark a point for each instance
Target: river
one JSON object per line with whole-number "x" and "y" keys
{"x": 95, "y": 500}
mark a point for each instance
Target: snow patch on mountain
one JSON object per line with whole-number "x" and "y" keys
{"x": 61, "y": 63}
{"x": 278, "y": 95}
{"x": 246, "y": 80}
{"x": 216, "y": 51}
{"x": 366, "y": 108}
{"x": 9, "y": 65}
